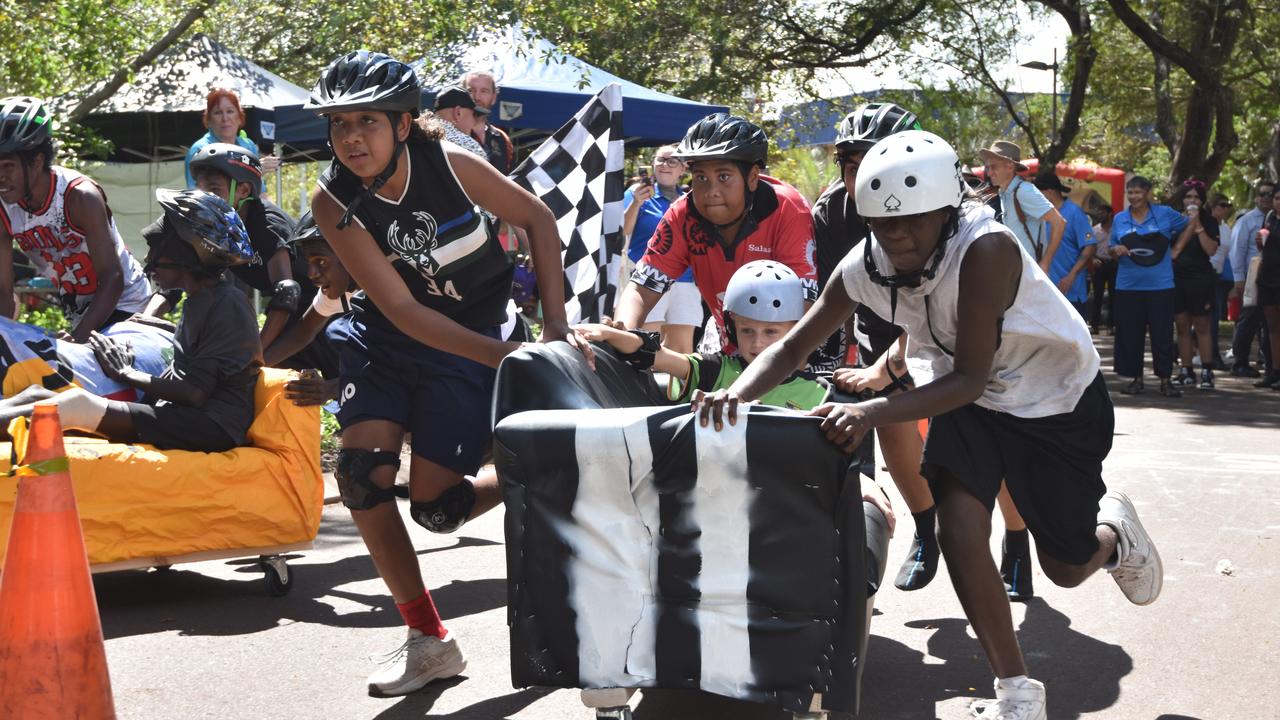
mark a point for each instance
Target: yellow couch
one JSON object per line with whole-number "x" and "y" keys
{"x": 142, "y": 507}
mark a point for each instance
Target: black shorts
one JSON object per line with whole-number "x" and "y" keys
{"x": 1268, "y": 295}
{"x": 442, "y": 399}
{"x": 1193, "y": 296}
{"x": 880, "y": 335}
{"x": 178, "y": 427}
{"x": 1052, "y": 466}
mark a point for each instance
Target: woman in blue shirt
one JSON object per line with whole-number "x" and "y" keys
{"x": 1141, "y": 237}
{"x": 224, "y": 119}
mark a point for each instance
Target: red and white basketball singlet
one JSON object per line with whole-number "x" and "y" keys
{"x": 58, "y": 250}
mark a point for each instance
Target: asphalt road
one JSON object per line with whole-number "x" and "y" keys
{"x": 205, "y": 641}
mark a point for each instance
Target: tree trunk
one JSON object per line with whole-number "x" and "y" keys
{"x": 99, "y": 96}
{"x": 1082, "y": 55}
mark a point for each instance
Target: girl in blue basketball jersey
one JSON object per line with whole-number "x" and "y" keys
{"x": 402, "y": 210}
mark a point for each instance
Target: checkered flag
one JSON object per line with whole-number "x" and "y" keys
{"x": 577, "y": 172}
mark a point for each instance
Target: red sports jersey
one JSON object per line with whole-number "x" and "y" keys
{"x": 779, "y": 227}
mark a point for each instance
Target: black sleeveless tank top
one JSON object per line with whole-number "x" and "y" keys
{"x": 435, "y": 237}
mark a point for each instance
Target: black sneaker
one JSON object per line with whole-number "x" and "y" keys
{"x": 1206, "y": 379}
{"x": 1186, "y": 377}
{"x": 1133, "y": 388}
{"x": 1015, "y": 570}
{"x": 1270, "y": 380}
{"x": 1245, "y": 371}
{"x": 1169, "y": 389}
{"x": 920, "y": 566}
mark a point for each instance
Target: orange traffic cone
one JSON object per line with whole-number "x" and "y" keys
{"x": 52, "y": 661}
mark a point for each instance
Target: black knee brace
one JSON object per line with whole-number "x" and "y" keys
{"x": 358, "y": 490}
{"x": 447, "y": 512}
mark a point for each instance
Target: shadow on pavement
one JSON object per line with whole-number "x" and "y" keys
{"x": 673, "y": 704}
{"x": 1234, "y": 401}
{"x": 418, "y": 705}
{"x": 1082, "y": 673}
{"x": 142, "y": 602}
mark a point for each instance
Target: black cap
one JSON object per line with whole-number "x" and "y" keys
{"x": 1051, "y": 182}
{"x": 454, "y": 96}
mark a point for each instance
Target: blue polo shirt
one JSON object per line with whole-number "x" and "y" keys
{"x": 1078, "y": 235}
{"x": 1160, "y": 219}
{"x": 651, "y": 211}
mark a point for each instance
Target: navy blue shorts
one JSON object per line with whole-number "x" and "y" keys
{"x": 441, "y": 398}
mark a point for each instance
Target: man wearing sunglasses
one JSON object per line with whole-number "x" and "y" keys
{"x": 1250, "y": 324}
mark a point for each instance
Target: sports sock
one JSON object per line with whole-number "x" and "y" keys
{"x": 1016, "y": 542}
{"x": 925, "y": 520}
{"x": 421, "y": 614}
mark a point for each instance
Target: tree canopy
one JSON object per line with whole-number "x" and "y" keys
{"x": 1170, "y": 88}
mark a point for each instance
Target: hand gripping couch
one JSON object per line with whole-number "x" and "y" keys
{"x": 644, "y": 551}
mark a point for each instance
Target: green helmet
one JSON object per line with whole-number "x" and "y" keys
{"x": 24, "y": 124}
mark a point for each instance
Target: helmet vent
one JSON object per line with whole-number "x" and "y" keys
{"x": 910, "y": 149}
{"x": 910, "y": 181}
{"x": 777, "y": 303}
{"x": 753, "y": 299}
{"x": 875, "y": 184}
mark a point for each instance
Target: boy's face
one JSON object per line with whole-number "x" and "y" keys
{"x": 909, "y": 240}
{"x": 167, "y": 273}
{"x": 214, "y": 182}
{"x": 12, "y": 188}
{"x": 325, "y": 271}
{"x": 720, "y": 191}
{"x": 756, "y": 335}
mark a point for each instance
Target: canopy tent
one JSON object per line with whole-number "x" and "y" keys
{"x": 540, "y": 88}
{"x": 157, "y": 115}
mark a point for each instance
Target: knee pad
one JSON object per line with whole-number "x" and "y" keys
{"x": 79, "y": 409}
{"x": 357, "y": 488}
{"x": 447, "y": 512}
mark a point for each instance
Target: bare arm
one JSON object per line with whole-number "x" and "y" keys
{"x": 495, "y": 192}
{"x": 664, "y": 360}
{"x": 87, "y": 209}
{"x": 7, "y": 307}
{"x": 295, "y": 338}
{"x": 640, "y": 192}
{"x": 359, "y": 253}
{"x": 1057, "y": 226}
{"x": 635, "y": 305}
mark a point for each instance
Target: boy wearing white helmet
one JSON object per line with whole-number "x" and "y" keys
{"x": 1016, "y": 395}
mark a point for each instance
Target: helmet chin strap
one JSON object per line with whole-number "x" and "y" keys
{"x": 908, "y": 280}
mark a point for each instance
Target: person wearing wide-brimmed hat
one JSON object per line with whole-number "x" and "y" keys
{"x": 1026, "y": 211}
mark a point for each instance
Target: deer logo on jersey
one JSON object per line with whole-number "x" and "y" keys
{"x": 415, "y": 244}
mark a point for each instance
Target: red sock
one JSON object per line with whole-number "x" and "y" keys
{"x": 421, "y": 614}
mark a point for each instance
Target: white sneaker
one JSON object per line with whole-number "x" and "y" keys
{"x": 420, "y": 660}
{"x": 1023, "y": 700}
{"x": 1138, "y": 572}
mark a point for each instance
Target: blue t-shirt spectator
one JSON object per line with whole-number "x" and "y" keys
{"x": 1151, "y": 266}
{"x": 1078, "y": 235}
{"x": 1034, "y": 206}
{"x": 241, "y": 139}
{"x": 651, "y": 211}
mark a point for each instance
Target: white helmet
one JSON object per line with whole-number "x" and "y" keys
{"x": 908, "y": 173}
{"x": 765, "y": 290}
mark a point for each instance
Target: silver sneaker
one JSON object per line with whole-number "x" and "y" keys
{"x": 1026, "y": 701}
{"x": 1138, "y": 572}
{"x": 420, "y": 660}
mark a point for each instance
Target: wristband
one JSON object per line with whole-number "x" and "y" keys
{"x": 642, "y": 359}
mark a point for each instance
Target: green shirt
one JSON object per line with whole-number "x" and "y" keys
{"x": 801, "y": 391}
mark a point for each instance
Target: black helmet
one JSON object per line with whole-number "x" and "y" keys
{"x": 872, "y": 123}
{"x": 233, "y": 161}
{"x": 209, "y": 225}
{"x": 363, "y": 80}
{"x": 305, "y": 231}
{"x": 24, "y": 124}
{"x": 724, "y": 137}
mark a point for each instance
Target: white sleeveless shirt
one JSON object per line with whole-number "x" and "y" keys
{"x": 57, "y": 249}
{"x": 1045, "y": 358}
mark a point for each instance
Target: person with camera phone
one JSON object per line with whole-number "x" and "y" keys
{"x": 1194, "y": 281}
